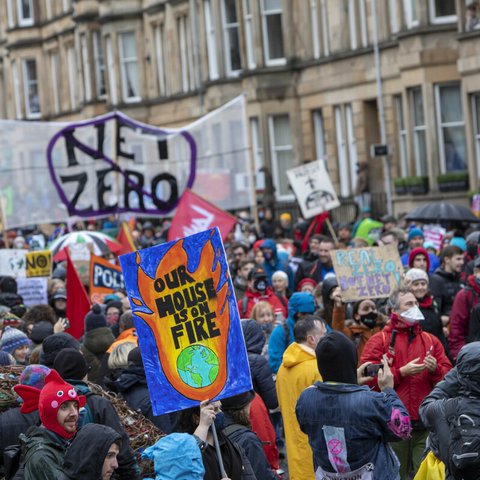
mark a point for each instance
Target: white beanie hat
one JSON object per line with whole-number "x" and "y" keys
{"x": 415, "y": 274}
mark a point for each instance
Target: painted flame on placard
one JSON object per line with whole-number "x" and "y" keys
{"x": 160, "y": 327}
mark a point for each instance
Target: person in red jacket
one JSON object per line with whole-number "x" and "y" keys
{"x": 465, "y": 300}
{"x": 257, "y": 290}
{"x": 417, "y": 360}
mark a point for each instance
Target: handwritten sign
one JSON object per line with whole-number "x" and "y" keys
{"x": 434, "y": 234}
{"x": 33, "y": 290}
{"x": 373, "y": 272}
{"x": 105, "y": 278}
{"x": 39, "y": 264}
{"x": 313, "y": 188}
{"x": 187, "y": 321}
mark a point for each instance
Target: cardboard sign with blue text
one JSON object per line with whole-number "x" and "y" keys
{"x": 373, "y": 272}
{"x": 187, "y": 322}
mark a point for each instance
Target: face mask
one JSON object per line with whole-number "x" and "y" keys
{"x": 369, "y": 320}
{"x": 267, "y": 327}
{"x": 260, "y": 284}
{"x": 412, "y": 315}
{"x": 219, "y": 421}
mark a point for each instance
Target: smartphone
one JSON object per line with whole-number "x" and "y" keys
{"x": 372, "y": 370}
{"x": 67, "y": 323}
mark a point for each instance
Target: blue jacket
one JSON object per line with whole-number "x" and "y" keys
{"x": 299, "y": 302}
{"x": 366, "y": 420}
{"x": 278, "y": 262}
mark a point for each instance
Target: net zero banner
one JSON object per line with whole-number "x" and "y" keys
{"x": 373, "y": 272}
{"x": 187, "y": 321}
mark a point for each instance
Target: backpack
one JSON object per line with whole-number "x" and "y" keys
{"x": 463, "y": 460}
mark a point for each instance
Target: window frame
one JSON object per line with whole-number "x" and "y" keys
{"x": 402, "y": 136}
{"x": 420, "y": 129}
{"x": 325, "y": 29}
{"x": 182, "y": 25}
{"x": 274, "y": 149}
{"x": 409, "y": 9}
{"x": 72, "y": 77}
{"x": 125, "y": 61}
{"x": 258, "y": 152}
{"x": 352, "y": 146}
{"x": 99, "y": 65}
{"x": 226, "y": 27}
{"x": 54, "y": 60}
{"x": 271, "y": 62}
{"x": 249, "y": 26}
{"x": 26, "y": 85}
{"x": 441, "y": 125}
{"x": 25, "y": 22}
{"x": 319, "y": 134}
{"x": 393, "y": 22}
{"x": 439, "y": 20}
{"x": 475, "y": 99}
{"x": 352, "y": 24}
{"x": 110, "y": 64}
{"x": 85, "y": 55}
{"x": 161, "y": 71}
{"x": 211, "y": 38}
{"x": 315, "y": 28}
{"x": 342, "y": 153}
{"x": 10, "y": 16}
{"x": 16, "y": 89}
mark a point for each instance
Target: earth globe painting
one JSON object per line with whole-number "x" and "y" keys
{"x": 197, "y": 366}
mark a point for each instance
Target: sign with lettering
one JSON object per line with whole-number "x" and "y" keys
{"x": 187, "y": 321}
{"x": 80, "y": 254}
{"x": 13, "y": 263}
{"x": 39, "y": 264}
{"x": 373, "y": 272}
{"x": 33, "y": 290}
{"x": 313, "y": 188}
{"x": 114, "y": 164}
{"x": 105, "y": 278}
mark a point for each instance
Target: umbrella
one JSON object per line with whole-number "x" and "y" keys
{"x": 101, "y": 243}
{"x": 442, "y": 211}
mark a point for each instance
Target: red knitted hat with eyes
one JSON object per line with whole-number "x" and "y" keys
{"x": 48, "y": 400}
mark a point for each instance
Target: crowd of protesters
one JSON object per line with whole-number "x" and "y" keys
{"x": 365, "y": 390}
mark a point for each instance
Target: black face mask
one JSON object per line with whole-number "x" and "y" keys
{"x": 370, "y": 319}
{"x": 260, "y": 284}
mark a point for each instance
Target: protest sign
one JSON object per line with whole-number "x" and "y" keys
{"x": 105, "y": 278}
{"x": 39, "y": 264}
{"x": 13, "y": 262}
{"x": 33, "y": 290}
{"x": 80, "y": 254}
{"x": 114, "y": 164}
{"x": 187, "y": 322}
{"x": 313, "y": 188}
{"x": 434, "y": 234}
{"x": 194, "y": 215}
{"x": 373, "y": 272}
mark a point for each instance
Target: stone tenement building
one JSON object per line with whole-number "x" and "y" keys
{"x": 307, "y": 68}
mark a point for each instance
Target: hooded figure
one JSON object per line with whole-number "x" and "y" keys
{"x": 458, "y": 394}
{"x": 348, "y": 425}
{"x": 275, "y": 261}
{"x": 85, "y": 456}
{"x": 282, "y": 335}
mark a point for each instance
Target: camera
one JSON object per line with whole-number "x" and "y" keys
{"x": 372, "y": 370}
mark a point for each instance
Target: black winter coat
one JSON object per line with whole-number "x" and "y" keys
{"x": 260, "y": 370}
{"x": 443, "y": 287}
{"x": 132, "y": 386}
{"x": 433, "y": 324}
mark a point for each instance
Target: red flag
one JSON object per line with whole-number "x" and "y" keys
{"x": 125, "y": 239}
{"x": 315, "y": 226}
{"x": 195, "y": 214}
{"x": 78, "y": 303}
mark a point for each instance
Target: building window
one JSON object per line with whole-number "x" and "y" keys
{"x": 443, "y": 11}
{"x": 112, "y": 79}
{"x": 55, "y": 76}
{"x": 231, "y": 37}
{"x": 249, "y": 29}
{"x": 100, "y": 84}
{"x": 272, "y": 32}
{"x": 282, "y": 153}
{"x": 472, "y": 16}
{"x": 451, "y": 128}
{"x": 393, "y": 16}
{"x": 324, "y": 19}
{"x": 402, "y": 136}
{"x": 363, "y": 23}
{"x": 410, "y": 11}
{"x": 319, "y": 134}
{"x": 419, "y": 131}
{"x": 10, "y": 19}
{"x": 476, "y": 127}
{"x": 211, "y": 41}
{"x": 30, "y": 85}
{"x": 257, "y": 147}
{"x": 129, "y": 67}
{"x": 72, "y": 77}
{"x": 342, "y": 154}
{"x": 16, "y": 90}
{"x": 25, "y": 12}
{"x": 186, "y": 57}
{"x": 86, "y": 67}
{"x": 160, "y": 55}
{"x": 352, "y": 24}
{"x": 352, "y": 148}
{"x": 315, "y": 28}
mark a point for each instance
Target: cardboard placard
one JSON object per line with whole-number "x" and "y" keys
{"x": 187, "y": 322}
{"x": 33, "y": 290}
{"x": 105, "y": 278}
{"x": 313, "y": 188}
{"x": 39, "y": 264}
{"x": 373, "y": 272}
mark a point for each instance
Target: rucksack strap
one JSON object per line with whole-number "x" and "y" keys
{"x": 234, "y": 427}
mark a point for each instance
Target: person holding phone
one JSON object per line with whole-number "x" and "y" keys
{"x": 348, "y": 425}
{"x": 417, "y": 361}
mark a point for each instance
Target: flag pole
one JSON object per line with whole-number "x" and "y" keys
{"x": 223, "y": 473}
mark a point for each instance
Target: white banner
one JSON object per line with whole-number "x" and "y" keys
{"x": 114, "y": 164}
{"x": 313, "y": 188}
{"x": 33, "y": 290}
